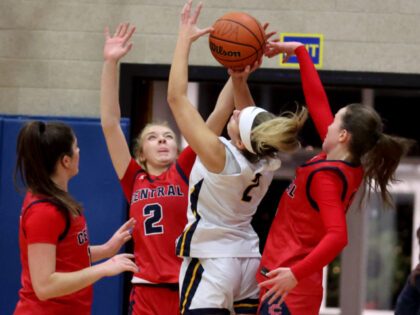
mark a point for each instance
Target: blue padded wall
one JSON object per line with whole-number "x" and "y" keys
{"x": 96, "y": 187}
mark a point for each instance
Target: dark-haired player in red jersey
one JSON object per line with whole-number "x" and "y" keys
{"x": 155, "y": 184}
{"x": 309, "y": 229}
{"x": 56, "y": 257}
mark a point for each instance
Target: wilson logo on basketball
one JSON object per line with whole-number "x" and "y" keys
{"x": 222, "y": 52}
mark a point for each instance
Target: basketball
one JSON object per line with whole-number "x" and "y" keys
{"x": 237, "y": 40}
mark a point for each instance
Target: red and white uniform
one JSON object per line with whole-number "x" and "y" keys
{"x": 310, "y": 229}
{"x": 159, "y": 205}
{"x": 45, "y": 222}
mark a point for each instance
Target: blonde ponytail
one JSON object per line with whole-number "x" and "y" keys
{"x": 279, "y": 133}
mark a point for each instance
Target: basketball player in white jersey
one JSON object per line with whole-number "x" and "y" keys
{"x": 227, "y": 182}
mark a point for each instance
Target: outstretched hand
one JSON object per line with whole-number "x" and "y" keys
{"x": 119, "y": 263}
{"x": 276, "y": 47}
{"x": 282, "y": 281}
{"x": 244, "y": 74}
{"x": 116, "y": 47}
{"x": 188, "y": 28}
{"x": 267, "y": 35}
{"x": 120, "y": 237}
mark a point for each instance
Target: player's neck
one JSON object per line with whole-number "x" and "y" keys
{"x": 156, "y": 170}
{"x": 339, "y": 153}
{"x": 60, "y": 181}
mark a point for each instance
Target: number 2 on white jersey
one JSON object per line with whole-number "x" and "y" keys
{"x": 255, "y": 183}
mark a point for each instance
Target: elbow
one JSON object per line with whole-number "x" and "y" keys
{"x": 173, "y": 99}
{"x": 41, "y": 293}
{"x": 343, "y": 241}
{"x": 43, "y": 288}
{"x": 175, "y": 95}
{"x": 109, "y": 124}
{"x": 172, "y": 96}
{"x": 338, "y": 239}
{"x": 170, "y": 99}
{"x": 105, "y": 124}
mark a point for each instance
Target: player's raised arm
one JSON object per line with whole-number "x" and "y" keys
{"x": 115, "y": 48}
{"x": 202, "y": 140}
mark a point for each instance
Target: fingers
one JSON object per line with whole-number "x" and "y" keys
{"x": 125, "y": 255}
{"x": 130, "y": 223}
{"x": 274, "y": 298}
{"x": 266, "y": 295}
{"x": 197, "y": 13}
{"x": 128, "y": 47}
{"x": 283, "y": 298}
{"x": 106, "y": 32}
{"x": 128, "y": 236}
{"x": 286, "y": 58}
{"x": 120, "y": 30}
{"x": 127, "y": 263}
{"x": 128, "y": 35}
{"x": 273, "y": 272}
{"x": 266, "y": 24}
{"x": 267, "y": 283}
{"x": 267, "y": 36}
{"x": 256, "y": 65}
{"x": 184, "y": 9}
{"x": 269, "y": 55}
{"x": 132, "y": 267}
{"x": 124, "y": 29}
{"x": 205, "y": 31}
{"x": 276, "y": 295}
{"x": 187, "y": 11}
{"x": 117, "y": 31}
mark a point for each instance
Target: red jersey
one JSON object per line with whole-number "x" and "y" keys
{"x": 42, "y": 220}
{"x": 310, "y": 229}
{"x": 159, "y": 205}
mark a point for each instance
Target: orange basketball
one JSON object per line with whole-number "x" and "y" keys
{"x": 237, "y": 40}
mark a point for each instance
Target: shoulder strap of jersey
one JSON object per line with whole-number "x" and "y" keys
{"x": 58, "y": 205}
{"x": 328, "y": 168}
{"x": 181, "y": 173}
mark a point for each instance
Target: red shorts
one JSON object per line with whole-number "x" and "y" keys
{"x": 153, "y": 300}
{"x": 295, "y": 304}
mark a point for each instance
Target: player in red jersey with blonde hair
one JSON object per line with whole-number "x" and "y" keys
{"x": 56, "y": 257}
{"x": 155, "y": 184}
{"x": 310, "y": 229}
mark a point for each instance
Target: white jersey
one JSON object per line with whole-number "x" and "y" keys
{"x": 221, "y": 206}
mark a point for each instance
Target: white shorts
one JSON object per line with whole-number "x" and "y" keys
{"x": 219, "y": 286}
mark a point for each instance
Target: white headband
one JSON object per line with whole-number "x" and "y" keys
{"x": 246, "y": 120}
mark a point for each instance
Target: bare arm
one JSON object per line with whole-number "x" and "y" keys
{"x": 115, "y": 48}
{"x": 241, "y": 93}
{"x": 223, "y": 109}
{"x": 48, "y": 283}
{"x": 201, "y": 139}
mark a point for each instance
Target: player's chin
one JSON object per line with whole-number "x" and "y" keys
{"x": 167, "y": 160}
